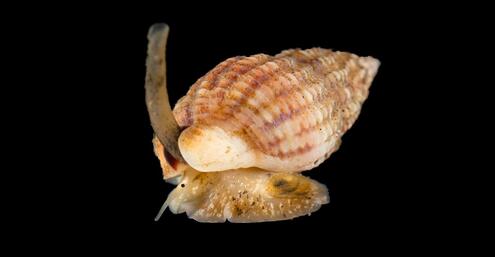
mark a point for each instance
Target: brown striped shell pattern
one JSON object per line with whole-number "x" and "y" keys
{"x": 236, "y": 143}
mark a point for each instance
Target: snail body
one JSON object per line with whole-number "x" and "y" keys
{"x": 251, "y": 119}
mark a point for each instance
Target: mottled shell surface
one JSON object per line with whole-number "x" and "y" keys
{"x": 291, "y": 109}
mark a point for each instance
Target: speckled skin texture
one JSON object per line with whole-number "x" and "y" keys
{"x": 246, "y": 195}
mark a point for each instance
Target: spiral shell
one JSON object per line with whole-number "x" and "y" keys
{"x": 282, "y": 113}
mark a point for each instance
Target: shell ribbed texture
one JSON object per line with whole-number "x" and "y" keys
{"x": 284, "y": 105}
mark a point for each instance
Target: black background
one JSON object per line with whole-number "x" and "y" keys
{"x": 107, "y": 176}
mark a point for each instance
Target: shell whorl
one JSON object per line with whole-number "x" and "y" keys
{"x": 293, "y": 107}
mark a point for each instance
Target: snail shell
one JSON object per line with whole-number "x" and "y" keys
{"x": 282, "y": 113}
{"x": 234, "y": 141}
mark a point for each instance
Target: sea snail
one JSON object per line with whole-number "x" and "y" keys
{"x": 236, "y": 143}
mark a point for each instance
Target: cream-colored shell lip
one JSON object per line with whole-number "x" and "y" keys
{"x": 210, "y": 149}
